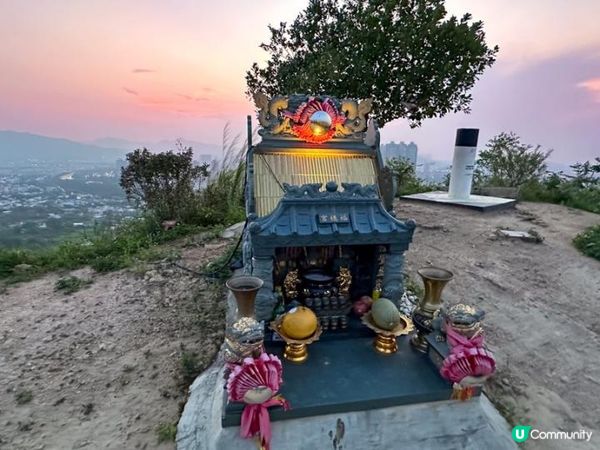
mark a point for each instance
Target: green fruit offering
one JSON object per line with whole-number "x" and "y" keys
{"x": 385, "y": 314}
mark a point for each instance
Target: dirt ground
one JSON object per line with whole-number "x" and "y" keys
{"x": 104, "y": 365}
{"x": 542, "y": 303}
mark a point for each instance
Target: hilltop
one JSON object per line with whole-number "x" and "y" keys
{"x": 104, "y": 367}
{"x": 541, "y": 303}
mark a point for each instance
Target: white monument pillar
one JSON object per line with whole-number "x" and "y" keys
{"x": 463, "y": 163}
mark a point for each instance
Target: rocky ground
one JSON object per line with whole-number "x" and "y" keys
{"x": 107, "y": 366}
{"x": 542, "y": 302}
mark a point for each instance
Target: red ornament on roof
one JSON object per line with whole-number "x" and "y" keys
{"x": 315, "y": 121}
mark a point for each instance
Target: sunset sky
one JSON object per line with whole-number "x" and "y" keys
{"x": 156, "y": 70}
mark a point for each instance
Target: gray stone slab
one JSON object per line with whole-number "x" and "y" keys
{"x": 234, "y": 231}
{"x": 481, "y": 203}
{"x": 349, "y": 375}
{"x": 470, "y": 425}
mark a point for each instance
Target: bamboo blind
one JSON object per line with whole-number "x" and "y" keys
{"x": 298, "y": 169}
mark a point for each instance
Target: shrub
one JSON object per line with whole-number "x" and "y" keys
{"x": 24, "y": 396}
{"x": 69, "y": 285}
{"x": 105, "y": 249}
{"x": 406, "y": 180}
{"x": 169, "y": 186}
{"x": 166, "y": 432}
{"x": 222, "y": 200}
{"x": 588, "y": 242}
{"x": 190, "y": 367}
{"x": 163, "y": 182}
{"x": 506, "y": 162}
{"x": 581, "y": 190}
{"x": 108, "y": 263}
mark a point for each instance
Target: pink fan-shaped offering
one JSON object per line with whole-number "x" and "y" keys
{"x": 264, "y": 372}
{"x": 467, "y": 358}
{"x": 474, "y": 362}
{"x": 256, "y": 382}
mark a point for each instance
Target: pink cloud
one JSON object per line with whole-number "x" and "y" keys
{"x": 143, "y": 71}
{"x": 193, "y": 98}
{"x": 181, "y": 104}
{"x": 593, "y": 86}
{"x": 130, "y": 91}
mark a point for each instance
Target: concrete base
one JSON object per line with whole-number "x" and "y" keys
{"x": 474, "y": 424}
{"x": 478, "y": 202}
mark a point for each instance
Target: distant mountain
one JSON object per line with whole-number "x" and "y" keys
{"x": 19, "y": 147}
{"x": 199, "y": 148}
{"x": 123, "y": 144}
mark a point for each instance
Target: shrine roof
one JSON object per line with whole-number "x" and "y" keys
{"x": 307, "y": 216}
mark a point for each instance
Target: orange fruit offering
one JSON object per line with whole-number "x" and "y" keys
{"x": 299, "y": 323}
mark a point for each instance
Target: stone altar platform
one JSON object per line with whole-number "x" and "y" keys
{"x": 345, "y": 375}
{"x": 381, "y": 402}
{"x": 470, "y": 425}
{"x": 481, "y": 203}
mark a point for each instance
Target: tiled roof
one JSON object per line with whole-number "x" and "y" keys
{"x": 330, "y": 218}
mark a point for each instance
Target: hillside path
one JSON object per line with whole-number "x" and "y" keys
{"x": 542, "y": 303}
{"x": 104, "y": 364}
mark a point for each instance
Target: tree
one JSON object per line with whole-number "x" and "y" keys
{"x": 587, "y": 174}
{"x": 164, "y": 183}
{"x": 405, "y": 178}
{"x": 507, "y": 162}
{"x": 402, "y": 171}
{"x": 408, "y": 55}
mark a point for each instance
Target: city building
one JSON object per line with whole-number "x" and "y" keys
{"x": 401, "y": 150}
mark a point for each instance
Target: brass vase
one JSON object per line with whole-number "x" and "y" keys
{"x": 434, "y": 281}
{"x": 244, "y": 289}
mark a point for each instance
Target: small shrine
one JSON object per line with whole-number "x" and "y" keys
{"x": 323, "y": 325}
{"x": 314, "y": 204}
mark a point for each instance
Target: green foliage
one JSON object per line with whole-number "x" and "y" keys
{"x": 413, "y": 59}
{"x": 190, "y": 367}
{"x": 506, "y": 162}
{"x": 169, "y": 186}
{"x": 403, "y": 172}
{"x": 164, "y": 183}
{"x": 587, "y": 174}
{"x": 588, "y": 242}
{"x": 219, "y": 267}
{"x": 166, "y": 432}
{"x": 104, "y": 249}
{"x": 580, "y": 191}
{"x": 406, "y": 180}
{"x": 411, "y": 286}
{"x": 69, "y": 285}
{"x": 23, "y": 397}
{"x": 222, "y": 200}
{"x": 104, "y": 264}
